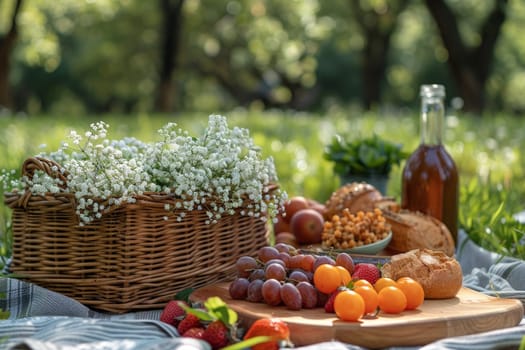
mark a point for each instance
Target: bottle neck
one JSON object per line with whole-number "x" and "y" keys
{"x": 432, "y": 120}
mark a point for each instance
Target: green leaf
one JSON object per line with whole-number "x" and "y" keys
{"x": 245, "y": 344}
{"x": 184, "y": 294}
{"x": 201, "y": 314}
{"x": 220, "y": 310}
{"x": 363, "y": 156}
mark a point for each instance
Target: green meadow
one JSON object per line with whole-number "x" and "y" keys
{"x": 487, "y": 151}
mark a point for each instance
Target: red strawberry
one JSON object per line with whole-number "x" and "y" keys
{"x": 190, "y": 321}
{"x": 329, "y": 305}
{"x": 172, "y": 313}
{"x": 196, "y": 332}
{"x": 271, "y": 327}
{"x": 366, "y": 271}
{"x": 216, "y": 334}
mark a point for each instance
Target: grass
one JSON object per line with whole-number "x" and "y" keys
{"x": 486, "y": 151}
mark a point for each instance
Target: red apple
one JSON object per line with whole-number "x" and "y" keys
{"x": 318, "y": 206}
{"x": 286, "y": 237}
{"x": 307, "y": 225}
{"x": 281, "y": 225}
{"x": 293, "y": 205}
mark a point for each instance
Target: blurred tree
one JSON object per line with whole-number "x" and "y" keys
{"x": 119, "y": 55}
{"x": 470, "y": 65}
{"x": 377, "y": 21}
{"x": 171, "y": 12}
{"x": 258, "y": 51}
{"x": 7, "y": 44}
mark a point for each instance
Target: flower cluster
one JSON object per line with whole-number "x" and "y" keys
{"x": 222, "y": 172}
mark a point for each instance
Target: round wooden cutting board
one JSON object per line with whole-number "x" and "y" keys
{"x": 468, "y": 313}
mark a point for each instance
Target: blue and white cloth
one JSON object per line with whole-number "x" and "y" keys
{"x": 44, "y": 320}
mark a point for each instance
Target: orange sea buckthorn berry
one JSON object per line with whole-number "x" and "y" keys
{"x": 413, "y": 291}
{"x": 362, "y": 282}
{"x": 391, "y": 300}
{"x": 349, "y": 305}
{"x": 369, "y": 295}
{"x": 384, "y": 282}
{"x": 345, "y": 275}
{"x": 327, "y": 278}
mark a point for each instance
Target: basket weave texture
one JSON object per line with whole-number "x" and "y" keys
{"x": 137, "y": 256}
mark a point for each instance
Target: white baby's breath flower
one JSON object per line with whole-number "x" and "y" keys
{"x": 221, "y": 171}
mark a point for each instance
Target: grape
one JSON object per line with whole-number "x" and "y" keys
{"x": 291, "y": 296}
{"x": 295, "y": 261}
{"x": 244, "y": 265}
{"x": 274, "y": 261}
{"x": 254, "y": 292}
{"x": 346, "y": 261}
{"x": 276, "y": 271}
{"x": 323, "y": 259}
{"x": 282, "y": 247}
{"x": 257, "y": 274}
{"x": 285, "y": 257}
{"x": 267, "y": 253}
{"x": 239, "y": 288}
{"x": 297, "y": 276}
{"x": 307, "y": 263}
{"x": 308, "y": 294}
{"x": 322, "y": 298}
{"x": 271, "y": 292}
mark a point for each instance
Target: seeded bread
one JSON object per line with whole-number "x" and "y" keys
{"x": 440, "y": 275}
{"x": 356, "y": 196}
{"x": 413, "y": 230}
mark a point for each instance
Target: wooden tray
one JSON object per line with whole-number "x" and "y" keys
{"x": 468, "y": 313}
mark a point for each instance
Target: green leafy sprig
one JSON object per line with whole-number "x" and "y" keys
{"x": 365, "y": 156}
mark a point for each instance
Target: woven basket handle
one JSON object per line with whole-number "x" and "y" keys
{"x": 48, "y": 166}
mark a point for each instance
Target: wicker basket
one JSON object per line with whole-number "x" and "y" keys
{"x": 137, "y": 256}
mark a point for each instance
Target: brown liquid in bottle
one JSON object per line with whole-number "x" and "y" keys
{"x": 430, "y": 185}
{"x": 430, "y": 178}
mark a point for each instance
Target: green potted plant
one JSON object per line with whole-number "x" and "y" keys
{"x": 368, "y": 159}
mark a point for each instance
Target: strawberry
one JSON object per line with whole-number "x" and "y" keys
{"x": 190, "y": 321}
{"x": 216, "y": 334}
{"x": 366, "y": 271}
{"x": 172, "y": 313}
{"x": 329, "y": 305}
{"x": 272, "y": 327}
{"x": 196, "y": 332}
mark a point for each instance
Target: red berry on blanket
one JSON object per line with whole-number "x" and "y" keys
{"x": 196, "y": 332}
{"x": 216, "y": 334}
{"x": 172, "y": 313}
{"x": 190, "y": 321}
{"x": 366, "y": 271}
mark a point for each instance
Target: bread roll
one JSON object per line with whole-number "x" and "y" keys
{"x": 439, "y": 275}
{"x": 412, "y": 230}
{"x": 356, "y": 196}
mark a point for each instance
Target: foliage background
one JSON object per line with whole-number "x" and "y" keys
{"x": 81, "y": 57}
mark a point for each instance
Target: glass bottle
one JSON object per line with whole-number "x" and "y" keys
{"x": 430, "y": 177}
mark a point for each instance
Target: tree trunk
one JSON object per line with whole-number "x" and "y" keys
{"x": 470, "y": 66}
{"x": 7, "y": 44}
{"x": 171, "y": 32}
{"x": 377, "y": 28}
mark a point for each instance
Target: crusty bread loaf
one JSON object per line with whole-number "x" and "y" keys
{"x": 412, "y": 230}
{"x": 356, "y": 196}
{"x": 439, "y": 274}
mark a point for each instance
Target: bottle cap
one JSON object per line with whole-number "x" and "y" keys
{"x": 433, "y": 90}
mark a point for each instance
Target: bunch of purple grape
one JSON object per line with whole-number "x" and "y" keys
{"x": 283, "y": 275}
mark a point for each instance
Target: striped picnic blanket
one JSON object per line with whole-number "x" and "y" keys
{"x": 44, "y": 320}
